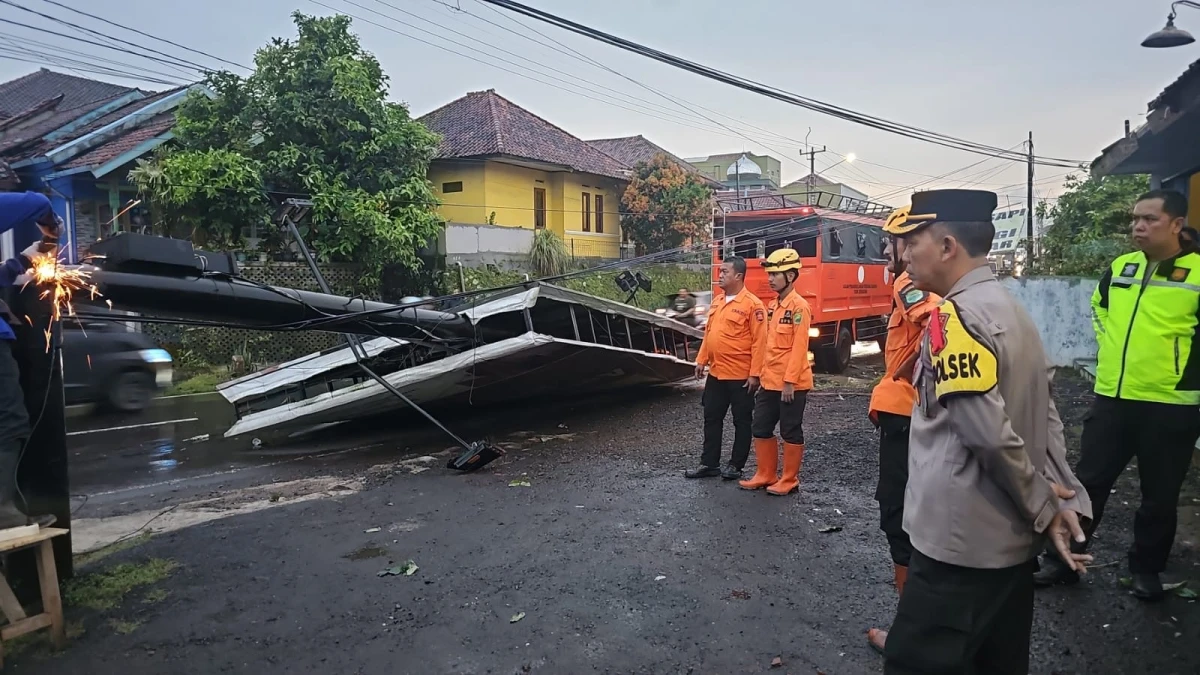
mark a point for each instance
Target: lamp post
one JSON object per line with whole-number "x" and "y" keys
{"x": 1170, "y": 36}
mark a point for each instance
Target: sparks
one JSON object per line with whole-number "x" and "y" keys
{"x": 60, "y": 284}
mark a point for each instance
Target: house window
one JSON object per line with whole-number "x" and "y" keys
{"x": 600, "y": 214}
{"x": 587, "y": 212}
{"x": 456, "y": 186}
{"x": 539, "y": 208}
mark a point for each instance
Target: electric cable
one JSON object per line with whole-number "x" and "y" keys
{"x": 863, "y": 119}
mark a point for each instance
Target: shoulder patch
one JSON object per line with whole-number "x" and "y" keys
{"x": 911, "y": 296}
{"x": 961, "y": 363}
{"x": 1130, "y": 269}
{"x": 758, "y": 315}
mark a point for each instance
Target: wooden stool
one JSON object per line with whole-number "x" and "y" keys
{"x": 52, "y": 614}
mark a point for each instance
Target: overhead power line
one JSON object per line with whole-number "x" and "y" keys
{"x": 175, "y": 61}
{"x": 815, "y": 105}
{"x": 145, "y": 34}
{"x": 55, "y": 52}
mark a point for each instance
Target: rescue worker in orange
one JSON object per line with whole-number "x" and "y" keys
{"x": 732, "y": 350}
{"x": 785, "y": 382}
{"x": 892, "y": 405}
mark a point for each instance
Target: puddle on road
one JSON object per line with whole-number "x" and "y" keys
{"x": 366, "y": 553}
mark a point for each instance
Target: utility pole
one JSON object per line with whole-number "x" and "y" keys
{"x": 812, "y": 170}
{"x": 1029, "y": 208}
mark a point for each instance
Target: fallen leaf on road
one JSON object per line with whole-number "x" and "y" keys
{"x": 520, "y": 482}
{"x": 407, "y": 569}
{"x": 373, "y": 529}
{"x": 1186, "y": 593}
{"x": 517, "y": 617}
{"x": 777, "y": 662}
{"x": 739, "y": 594}
{"x": 830, "y": 528}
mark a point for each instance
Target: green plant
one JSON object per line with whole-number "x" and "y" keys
{"x": 312, "y": 118}
{"x": 1091, "y": 225}
{"x": 548, "y": 254}
{"x": 666, "y": 205}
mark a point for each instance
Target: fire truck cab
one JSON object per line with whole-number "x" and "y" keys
{"x": 844, "y": 276}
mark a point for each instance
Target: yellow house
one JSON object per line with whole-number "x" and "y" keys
{"x": 502, "y": 172}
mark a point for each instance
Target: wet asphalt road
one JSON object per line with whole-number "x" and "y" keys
{"x": 612, "y": 562}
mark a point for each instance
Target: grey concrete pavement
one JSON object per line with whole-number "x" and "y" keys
{"x": 613, "y": 562}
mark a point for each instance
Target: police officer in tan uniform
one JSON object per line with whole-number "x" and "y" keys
{"x": 988, "y": 479}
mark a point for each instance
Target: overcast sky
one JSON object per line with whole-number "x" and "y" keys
{"x": 1070, "y": 71}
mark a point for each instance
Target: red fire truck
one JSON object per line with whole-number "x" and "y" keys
{"x": 844, "y": 278}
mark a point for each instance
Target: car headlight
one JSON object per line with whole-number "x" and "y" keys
{"x": 155, "y": 355}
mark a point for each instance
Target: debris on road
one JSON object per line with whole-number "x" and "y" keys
{"x": 407, "y": 569}
{"x": 196, "y": 439}
{"x": 517, "y": 617}
{"x": 519, "y": 482}
{"x": 777, "y": 662}
{"x": 372, "y": 530}
{"x": 660, "y": 577}
{"x": 830, "y": 528}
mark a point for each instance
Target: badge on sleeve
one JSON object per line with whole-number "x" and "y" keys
{"x": 758, "y": 315}
{"x": 961, "y": 363}
{"x": 912, "y": 296}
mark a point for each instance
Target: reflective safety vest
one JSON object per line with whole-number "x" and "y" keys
{"x": 1146, "y": 317}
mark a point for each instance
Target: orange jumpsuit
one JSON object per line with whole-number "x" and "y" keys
{"x": 785, "y": 359}
{"x": 733, "y": 350}
{"x": 891, "y": 408}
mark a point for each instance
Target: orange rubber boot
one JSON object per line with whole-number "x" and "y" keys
{"x": 766, "y": 456}
{"x": 793, "y": 457}
{"x": 877, "y": 636}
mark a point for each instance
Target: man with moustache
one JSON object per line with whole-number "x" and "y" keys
{"x": 988, "y": 480}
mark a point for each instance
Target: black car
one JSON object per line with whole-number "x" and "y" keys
{"x": 109, "y": 364}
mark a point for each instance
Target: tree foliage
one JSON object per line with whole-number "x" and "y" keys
{"x": 311, "y": 120}
{"x": 665, "y": 205}
{"x": 1091, "y": 225}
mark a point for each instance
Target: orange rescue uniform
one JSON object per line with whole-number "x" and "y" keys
{"x": 785, "y": 357}
{"x": 733, "y": 339}
{"x": 910, "y": 312}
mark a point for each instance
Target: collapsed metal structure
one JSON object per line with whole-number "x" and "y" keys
{"x": 477, "y": 349}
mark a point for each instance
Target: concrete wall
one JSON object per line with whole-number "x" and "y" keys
{"x": 1061, "y": 308}
{"x": 475, "y": 245}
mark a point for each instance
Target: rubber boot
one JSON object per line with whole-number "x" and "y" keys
{"x": 766, "y": 456}
{"x": 789, "y": 481}
{"x": 10, "y": 515}
{"x": 877, "y": 637}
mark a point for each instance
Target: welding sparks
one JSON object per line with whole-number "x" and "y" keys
{"x": 60, "y": 285}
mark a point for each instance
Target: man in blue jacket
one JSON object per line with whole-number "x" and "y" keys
{"x": 18, "y": 212}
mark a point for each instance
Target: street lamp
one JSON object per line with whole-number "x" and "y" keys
{"x": 1170, "y": 36}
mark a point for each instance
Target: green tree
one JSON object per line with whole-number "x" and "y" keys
{"x": 312, "y": 119}
{"x": 665, "y": 205}
{"x": 1091, "y": 224}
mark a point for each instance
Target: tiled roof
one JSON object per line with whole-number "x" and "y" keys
{"x": 28, "y": 144}
{"x": 102, "y": 154}
{"x": 633, "y": 149}
{"x": 485, "y": 124}
{"x": 1176, "y": 87}
{"x": 28, "y": 91}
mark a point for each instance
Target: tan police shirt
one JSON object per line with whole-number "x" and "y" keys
{"x": 986, "y": 440}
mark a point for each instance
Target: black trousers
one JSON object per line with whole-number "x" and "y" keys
{"x": 1162, "y": 436}
{"x": 770, "y": 410}
{"x": 893, "y": 477}
{"x": 961, "y": 621}
{"x": 14, "y": 419}
{"x": 719, "y": 397}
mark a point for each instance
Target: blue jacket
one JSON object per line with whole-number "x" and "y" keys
{"x": 19, "y": 211}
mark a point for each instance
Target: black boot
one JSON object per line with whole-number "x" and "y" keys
{"x": 702, "y": 472}
{"x": 730, "y": 472}
{"x": 10, "y": 515}
{"x": 1147, "y": 586}
{"x": 1054, "y": 572}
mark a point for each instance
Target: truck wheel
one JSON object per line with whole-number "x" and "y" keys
{"x": 130, "y": 393}
{"x": 835, "y": 359}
